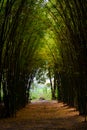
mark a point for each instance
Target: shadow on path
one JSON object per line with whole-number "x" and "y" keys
{"x": 45, "y": 115}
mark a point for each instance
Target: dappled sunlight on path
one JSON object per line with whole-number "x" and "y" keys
{"x": 44, "y": 115}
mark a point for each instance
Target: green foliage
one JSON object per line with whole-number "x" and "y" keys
{"x": 40, "y": 92}
{"x": 40, "y": 35}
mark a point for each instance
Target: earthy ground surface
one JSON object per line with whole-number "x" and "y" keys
{"x": 45, "y": 115}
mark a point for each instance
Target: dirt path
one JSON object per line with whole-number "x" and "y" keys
{"x": 45, "y": 115}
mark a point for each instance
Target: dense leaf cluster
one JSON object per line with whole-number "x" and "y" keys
{"x": 71, "y": 31}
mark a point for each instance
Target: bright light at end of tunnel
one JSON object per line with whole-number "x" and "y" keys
{"x": 46, "y": 0}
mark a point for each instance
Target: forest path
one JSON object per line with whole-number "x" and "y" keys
{"x": 45, "y": 115}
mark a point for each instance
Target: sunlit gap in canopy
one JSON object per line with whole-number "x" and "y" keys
{"x": 40, "y": 88}
{"x": 46, "y": 0}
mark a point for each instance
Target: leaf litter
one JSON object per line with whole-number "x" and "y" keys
{"x": 45, "y": 115}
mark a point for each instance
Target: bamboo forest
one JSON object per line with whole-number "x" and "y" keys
{"x": 43, "y": 41}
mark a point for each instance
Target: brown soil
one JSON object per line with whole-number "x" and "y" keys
{"x": 45, "y": 115}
